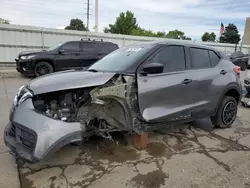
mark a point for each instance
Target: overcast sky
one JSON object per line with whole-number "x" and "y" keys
{"x": 194, "y": 17}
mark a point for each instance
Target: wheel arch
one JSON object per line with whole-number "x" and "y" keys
{"x": 232, "y": 91}
{"x": 46, "y": 60}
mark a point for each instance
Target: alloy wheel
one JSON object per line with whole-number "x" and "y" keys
{"x": 229, "y": 113}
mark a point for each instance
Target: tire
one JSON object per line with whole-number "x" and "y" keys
{"x": 43, "y": 68}
{"x": 226, "y": 114}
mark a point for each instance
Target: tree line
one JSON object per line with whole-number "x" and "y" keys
{"x": 126, "y": 23}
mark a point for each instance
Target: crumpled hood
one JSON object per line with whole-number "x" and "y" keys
{"x": 71, "y": 79}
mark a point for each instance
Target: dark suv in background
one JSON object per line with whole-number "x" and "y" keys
{"x": 63, "y": 56}
{"x": 239, "y": 58}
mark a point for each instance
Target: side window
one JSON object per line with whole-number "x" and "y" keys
{"x": 89, "y": 47}
{"x": 214, "y": 58}
{"x": 172, "y": 57}
{"x": 71, "y": 47}
{"x": 107, "y": 48}
{"x": 199, "y": 58}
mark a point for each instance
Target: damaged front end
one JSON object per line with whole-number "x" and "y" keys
{"x": 103, "y": 109}
{"x": 60, "y": 117}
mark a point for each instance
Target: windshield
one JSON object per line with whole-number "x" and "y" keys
{"x": 122, "y": 59}
{"x": 55, "y": 46}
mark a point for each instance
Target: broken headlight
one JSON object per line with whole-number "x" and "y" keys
{"x": 22, "y": 95}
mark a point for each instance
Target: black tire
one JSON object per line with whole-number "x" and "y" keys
{"x": 43, "y": 68}
{"x": 226, "y": 113}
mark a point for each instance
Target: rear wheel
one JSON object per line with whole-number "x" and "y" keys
{"x": 226, "y": 113}
{"x": 43, "y": 68}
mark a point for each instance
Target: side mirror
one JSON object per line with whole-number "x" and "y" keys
{"x": 61, "y": 51}
{"x": 153, "y": 68}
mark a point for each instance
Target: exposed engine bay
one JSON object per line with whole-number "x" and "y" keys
{"x": 103, "y": 109}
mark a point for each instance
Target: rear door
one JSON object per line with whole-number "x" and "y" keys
{"x": 70, "y": 57}
{"x": 89, "y": 53}
{"x": 167, "y": 96}
{"x": 205, "y": 76}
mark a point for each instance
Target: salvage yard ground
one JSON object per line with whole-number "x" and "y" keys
{"x": 191, "y": 155}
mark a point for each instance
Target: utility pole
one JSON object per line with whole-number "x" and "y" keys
{"x": 88, "y": 14}
{"x": 96, "y": 15}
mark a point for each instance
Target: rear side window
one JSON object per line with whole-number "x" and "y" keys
{"x": 199, "y": 58}
{"x": 172, "y": 57}
{"x": 89, "y": 47}
{"x": 214, "y": 58}
{"x": 71, "y": 47}
{"x": 107, "y": 48}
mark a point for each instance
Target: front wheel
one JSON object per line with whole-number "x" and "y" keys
{"x": 226, "y": 114}
{"x": 43, "y": 68}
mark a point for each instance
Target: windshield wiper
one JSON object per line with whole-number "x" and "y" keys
{"x": 92, "y": 70}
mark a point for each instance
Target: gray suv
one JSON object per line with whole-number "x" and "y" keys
{"x": 137, "y": 88}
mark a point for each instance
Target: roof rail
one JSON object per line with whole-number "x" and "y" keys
{"x": 98, "y": 40}
{"x": 85, "y": 39}
{"x": 82, "y": 39}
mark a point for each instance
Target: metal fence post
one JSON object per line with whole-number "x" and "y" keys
{"x": 123, "y": 41}
{"x": 42, "y": 35}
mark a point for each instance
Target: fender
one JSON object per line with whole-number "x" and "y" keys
{"x": 230, "y": 86}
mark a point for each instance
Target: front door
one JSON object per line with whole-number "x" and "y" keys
{"x": 68, "y": 56}
{"x": 167, "y": 96}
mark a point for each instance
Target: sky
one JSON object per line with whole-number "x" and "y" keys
{"x": 194, "y": 17}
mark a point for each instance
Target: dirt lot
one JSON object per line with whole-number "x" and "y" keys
{"x": 182, "y": 156}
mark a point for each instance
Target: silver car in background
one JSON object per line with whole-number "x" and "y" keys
{"x": 137, "y": 88}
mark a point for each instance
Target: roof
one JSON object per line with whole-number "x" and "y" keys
{"x": 180, "y": 42}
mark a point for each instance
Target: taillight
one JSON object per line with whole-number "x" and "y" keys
{"x": 237, "y": 70}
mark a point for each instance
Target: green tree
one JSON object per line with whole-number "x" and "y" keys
{"x": 76, "y": 24}
{"x": 4, "y": 21}
{"x": 143, "y": 32}
{"x": 161, "y": 34}
{"x": 231, "y": 35}
{"x": 186, "y": 38}
{"x": 208, "y": 37}
{"x": 205, "y": 36}
{"x": 124, "y": 24}
{"x": 212, "y": 37}
{"x": 176, "y": 34}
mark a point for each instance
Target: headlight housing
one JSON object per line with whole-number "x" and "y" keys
{"x": 22, "y": 95}
{"x": 27, "y": 56}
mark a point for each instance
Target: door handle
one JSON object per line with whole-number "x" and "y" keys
{"x": 223, "y": 72}
{"x": 186, "y": 81}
